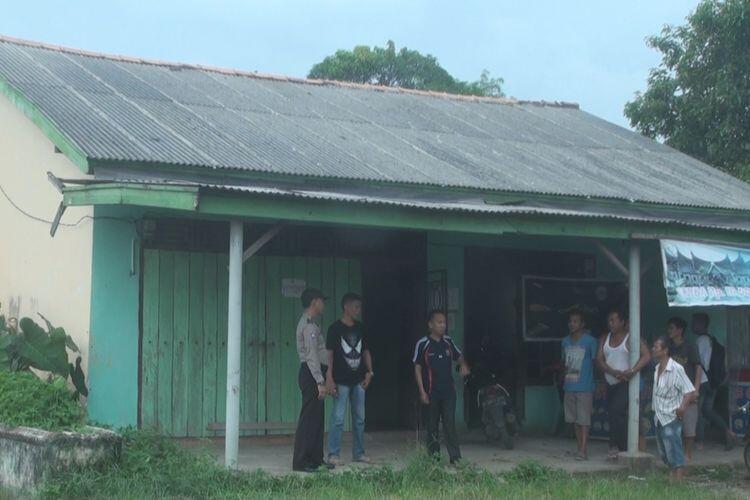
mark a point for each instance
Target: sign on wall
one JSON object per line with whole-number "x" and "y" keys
{"x": 292, "y": 288}
{"x": 699, "y": 274}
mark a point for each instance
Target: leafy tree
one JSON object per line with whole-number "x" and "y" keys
{"x": 404, "y": 68}
{"x": 698, "y": 98}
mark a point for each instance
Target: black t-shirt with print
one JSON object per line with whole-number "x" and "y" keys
{"x": 348, "y": 343}
{"x": 436, "y": 358}
{"x": 685, "y": 354}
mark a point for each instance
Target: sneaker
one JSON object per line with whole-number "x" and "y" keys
{"x": 363, "y": 459}
{"x": 613, "y": 454}
{"x": 581, "y": 457}
{"x": 334, "y": 460}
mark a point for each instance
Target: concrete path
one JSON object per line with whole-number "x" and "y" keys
{"x": 273, "y": 454}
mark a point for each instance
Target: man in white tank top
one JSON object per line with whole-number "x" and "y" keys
{"x": 613, "y": 359}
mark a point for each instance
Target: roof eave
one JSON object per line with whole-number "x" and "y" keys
{"x": 69, "y": 148}
{"x": 200, "y": 202}
{"x": 169, "y": 172}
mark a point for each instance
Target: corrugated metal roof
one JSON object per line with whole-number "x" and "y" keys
{"x": 124, "y": 109}
{"x": 479, "y": 206}
{"x": 454, "y": 202}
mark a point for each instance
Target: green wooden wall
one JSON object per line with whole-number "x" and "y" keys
{"x": 183, "y": 348}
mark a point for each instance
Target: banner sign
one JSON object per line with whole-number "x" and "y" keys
{"x": 698, "y": 274}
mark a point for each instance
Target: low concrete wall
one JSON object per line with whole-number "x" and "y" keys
{"x": 28, "y": 456}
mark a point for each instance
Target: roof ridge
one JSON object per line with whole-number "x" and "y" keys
{"x": 280, "y": 78}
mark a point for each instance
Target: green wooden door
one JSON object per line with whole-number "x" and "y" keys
{"x": 183, "y": 346}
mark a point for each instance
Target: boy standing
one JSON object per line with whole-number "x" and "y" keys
{"x": 708, "y": 388}
{"x": 349, "y": 375}
{"x": 433, "y": 362}
{"x": 579, "y": 351}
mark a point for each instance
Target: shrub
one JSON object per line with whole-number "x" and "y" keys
{"x": 25, "y": 345}
{"x": 26, "y": 400}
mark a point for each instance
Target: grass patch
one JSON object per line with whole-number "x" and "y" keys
{"x": 155, "y": 467}
{"x": 531, "y": 471}
{"x": 26, "y": 400}
{"x": 718, "y": 473}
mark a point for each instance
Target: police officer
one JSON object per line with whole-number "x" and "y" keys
{"x": 311, "y": 348}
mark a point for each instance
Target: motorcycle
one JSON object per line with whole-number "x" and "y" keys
{"x": 746, "y": 452}
{"x": 498, "y": 416}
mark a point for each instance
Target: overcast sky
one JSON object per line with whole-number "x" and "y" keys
{"x": 587, "y": 51}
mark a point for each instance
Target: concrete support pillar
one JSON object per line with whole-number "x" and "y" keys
{"x": 234, "y": 333}
{"x": 634, "y": 277}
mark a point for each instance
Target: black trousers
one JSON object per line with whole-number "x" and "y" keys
{"x": 617, "y": 410}
{"x": 308, "y": 440}
{"x": 445, "y": 410}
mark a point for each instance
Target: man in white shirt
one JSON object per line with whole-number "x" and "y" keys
{"x": 673, "y": 393}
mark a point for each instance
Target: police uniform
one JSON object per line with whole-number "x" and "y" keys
{"x": 308, "y": 440}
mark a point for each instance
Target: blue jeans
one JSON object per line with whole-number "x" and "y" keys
{"x": 708, "y": 416}
{"x": 669, "y": 440}
{"x": 354, "y": 395}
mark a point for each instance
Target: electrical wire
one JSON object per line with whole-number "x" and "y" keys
{"x": 74, "y": 224}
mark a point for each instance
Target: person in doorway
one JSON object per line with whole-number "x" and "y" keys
{"x": 308, "y": 440}
{"x": 673, "y": 393}
{"x": 433, "y": 362}
{"x": 707, "y": 392}
{"x": 686, "y": 354}
{"x": 613, "y": 358}
{"x": 578, "y": 352}
{"x": 349, "y": 375}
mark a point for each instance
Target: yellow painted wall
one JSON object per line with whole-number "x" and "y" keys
{"x": 39, "y": 273}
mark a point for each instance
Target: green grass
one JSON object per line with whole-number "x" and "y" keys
{"x": 155, "y": 467}
{"x": 26, "y": 400}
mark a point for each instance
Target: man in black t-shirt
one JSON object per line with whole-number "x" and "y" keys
{"x": 349, "y": 375}
{"x": 686, "y": 354}
{"x": 433, "y": 362}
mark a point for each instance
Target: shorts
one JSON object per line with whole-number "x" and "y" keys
{"x": 669, "y": 441}
{"x": 578, "y": 407}
{"x": 690, "y": 420}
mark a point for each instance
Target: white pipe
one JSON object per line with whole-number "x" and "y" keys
{"x": 234, "y": 332}
{"x": 634, "y": 277}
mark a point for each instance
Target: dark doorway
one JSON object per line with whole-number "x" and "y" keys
{"x": 393, "y": 283}
{"x": 494, "y": 312}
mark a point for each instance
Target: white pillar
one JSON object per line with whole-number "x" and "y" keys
{"x": 234, "y": 331}
{"x": 634, "y": 278}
